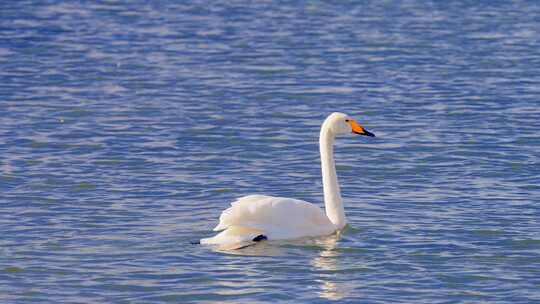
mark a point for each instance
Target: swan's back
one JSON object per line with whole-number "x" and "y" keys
{"x": 274, "y": 217}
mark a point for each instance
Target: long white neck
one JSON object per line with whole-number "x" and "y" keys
{"x": 332, "y": 196}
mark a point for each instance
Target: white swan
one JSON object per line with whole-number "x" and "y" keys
{"x": 258, "y": 217}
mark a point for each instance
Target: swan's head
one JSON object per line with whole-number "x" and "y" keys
{"x": 340, "y": 123}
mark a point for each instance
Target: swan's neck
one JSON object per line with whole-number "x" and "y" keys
{"x": 332, "y": 196}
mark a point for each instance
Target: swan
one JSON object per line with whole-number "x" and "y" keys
{"x": 255, "y": 218}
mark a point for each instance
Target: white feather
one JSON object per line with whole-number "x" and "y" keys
{"x": 274, "y": 217}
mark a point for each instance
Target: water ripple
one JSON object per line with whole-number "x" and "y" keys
{"x": 126, "y": 128}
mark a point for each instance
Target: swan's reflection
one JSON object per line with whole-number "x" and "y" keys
{"x": 271, "y": 248}
{"x": 327, "y": 263}
{"x": 331, "y": 288}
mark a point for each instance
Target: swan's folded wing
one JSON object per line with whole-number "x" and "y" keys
{"x": 241, "y": 210}
{"x": 273, "y": 213}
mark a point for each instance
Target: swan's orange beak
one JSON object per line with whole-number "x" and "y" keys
{"x": 358, "y": 129}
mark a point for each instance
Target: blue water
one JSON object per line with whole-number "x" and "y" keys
{"x": 125, "y": 129}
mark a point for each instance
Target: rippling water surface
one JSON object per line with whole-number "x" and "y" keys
{"x": 125, "y": 129}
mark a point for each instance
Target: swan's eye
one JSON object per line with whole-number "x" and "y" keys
{"x": 346, "y": 120}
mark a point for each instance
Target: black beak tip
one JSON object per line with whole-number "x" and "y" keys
{"x": 367, "y": 133}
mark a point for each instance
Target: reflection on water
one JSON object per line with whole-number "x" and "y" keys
{"x": 328, "y": 265}
{"x": 326, "y": 262}
{"x": 264, "y": 248}
{"x": 332, "y": 283}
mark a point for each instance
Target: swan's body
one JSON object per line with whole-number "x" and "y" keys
{"x": 276, "y": 218}
{"x": 256, "y": 217}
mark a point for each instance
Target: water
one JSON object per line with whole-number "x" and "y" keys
{"x": 125, "y": 129}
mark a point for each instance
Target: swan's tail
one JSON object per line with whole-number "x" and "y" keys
{"x": 236, "y": 236}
